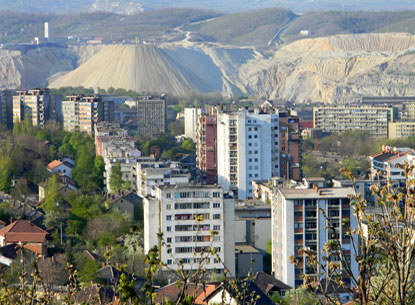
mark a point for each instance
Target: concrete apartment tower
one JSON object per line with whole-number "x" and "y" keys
{"x": 247, "y": 149}
{"x": 32, "y": 104}
{"x": 48, "y": 31}
{"x": 191, "y": 116}
{"x": 172, "y": 210}
{"x": 298, "y": 222}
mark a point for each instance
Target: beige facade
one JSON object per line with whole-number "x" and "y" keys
{"x": 337, "y": 119}
{"x": 401, "y": 130}
{"x": 33, "y": 104}
{"x": 82, "y": 113}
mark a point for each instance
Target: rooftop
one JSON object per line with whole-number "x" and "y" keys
{"x": 311, "y": 193}
{"x": 23, "y": 231}
{"x": 52, "y": 165}
{"x": 245, "y": 248}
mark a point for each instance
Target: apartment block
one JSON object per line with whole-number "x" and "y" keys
{"x": 337, "y": 119}
{"x": 107, "y": 133}
{"x": 82, "y": 113}
{"x": 156, "y": 173}
{"x": 401, "y": 129}
{"x": 151, "y": 115}
{"x": 127, "y": 156}
{"x": 290, "y": 145}
{"x": 32, "y": 104}
{"x": 174, "y": 211}
{"x": 191, "y": 116}
{"x": 206, "y": 148}
{"x": 6, "y": 108}
{"x": 298, "y": 222}
{"x": 247, "y": 149}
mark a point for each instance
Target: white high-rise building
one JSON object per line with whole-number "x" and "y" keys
{"x": 297, "y": 223}
{"x": 247, "y": 149}
{"x": 190, "y": 122}
{"x": 48, "y": 32}
{"x": 172, "y": 210}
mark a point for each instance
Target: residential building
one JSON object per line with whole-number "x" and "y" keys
{"x": 253, "y": 224}
{"x": 127, "y": 117}
{"x": 82, "y": 113}
{"x": 6, "y": 108}
{"x": 61, "y": 167}
{"x": 230, "y": 293}
{"x": 249, "y": 260}
{"x": 339, "y": 118}
{"x": 151, "y": 115}
{"x": 401, "y": 129}
{"x": 127, "y": 156}
{"x": 247, "y": 149}
{"x": 127, "y": 202}
{"x": 33, "y": 104}
{"x": 290, "y": 145}
{"x": 30, "y": 236}
{"x": 384, "y": 163}
{"x": 206, "y": 148}
{"x": 156, "y": 173}
{"x": 297, "y": 222}
{"x": 191, "y": 116}
{"x": 270, "y": 285}
{"x": 107, "y": 133}
{"x": 185, "y": 215}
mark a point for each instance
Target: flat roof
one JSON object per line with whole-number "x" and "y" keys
{"x": 244, "y": 248}
{"x": 336, "y": 192}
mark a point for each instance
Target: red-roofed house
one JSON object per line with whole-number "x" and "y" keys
{"x": 30, "y": 236}
{"x": 63, "y": 167}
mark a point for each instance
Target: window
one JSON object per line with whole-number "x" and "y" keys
{"x": 216, "y": 194}
{"x": 216, "y": 238}
{"x": 201, "y": 205}
{"x": 216, "y": 216}
{"x": 256, "y": 159}
{"x": 169, "y": 229}
{"x": 216, "y": 205}
{"x": 183, "y": 206}
{"x": 168, "y": 206}
{"x": 298, "y": 214}
{"x": 216, "y": 227}
{"x": 256, "y": 152}
{"x": 168, "y": 195}
{"x": 298, "y": 225}
{"x": 169, "y": 239}
{"x": 168, "y": 262}
{"x": 249, "y": 137}
{"x": 168, "y": 217}
{"x": 183, "y": 250}
{"x": 255, "y": 136}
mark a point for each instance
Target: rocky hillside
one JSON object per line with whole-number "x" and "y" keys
{"x": 331, "y": 69}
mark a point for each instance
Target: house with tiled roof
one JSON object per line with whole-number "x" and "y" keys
{"x": 384, "y": 163}
{"x": 63, "y": 166}
{"x": 25, "y": 233}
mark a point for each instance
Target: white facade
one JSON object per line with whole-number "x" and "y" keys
{"x": 157, "y": 173}
{"x": 190, "y": 122}
{"x": 248, "y": 149}
{"x": 172, "y": 212}
{"x": 297, "y": 222}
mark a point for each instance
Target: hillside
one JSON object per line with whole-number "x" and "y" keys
{"x": 152, "y": 25}
{"x": 133, "y": 6}
{"x": 254, "y": 28}
{"x": 327, "y": 23}
{"x": 330, "y": 69}
{"x": 33, "y": 68}
{"x": 146, "y": 68}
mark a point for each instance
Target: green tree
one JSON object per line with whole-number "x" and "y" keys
{"x": 53, "y": 198}
{"x": 116, "y": 182}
